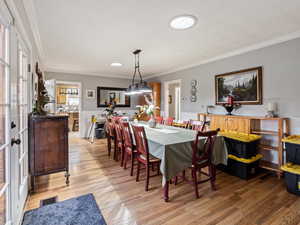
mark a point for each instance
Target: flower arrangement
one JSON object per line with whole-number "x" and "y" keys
{"x": 110, "y": 110}
{"x": 149, "y": 109}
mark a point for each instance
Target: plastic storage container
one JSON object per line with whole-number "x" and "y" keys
{"x": 241, "y": 145}
{"x": 292, "y": 177}
{"x": 292, "y": 147}
{"x": 243, "y": 168}
{"x": 99, "y": 130}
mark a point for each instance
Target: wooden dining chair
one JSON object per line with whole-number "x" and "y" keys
{"x": 186, "y": 123}
{"x": 198, "y": 125}
{"x": 143, "y": 156}
{"x": 129, "y": 148}
{"x": 159, "y": 119}
{"x": 201, "y": 158}
{"x": 110, "y": 135}
{"x": 169, "y": 121}
{"x": 119, "y": 150}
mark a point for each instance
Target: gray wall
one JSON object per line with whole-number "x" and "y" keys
{"x": 281, "y": 81}
{"x": 91, "y": 82}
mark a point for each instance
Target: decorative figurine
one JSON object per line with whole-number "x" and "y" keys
{"x": 42, "y": 95}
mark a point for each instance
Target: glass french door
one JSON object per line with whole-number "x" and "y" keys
{"x": 22, "y": 110}
{"x": 4, "y": 126}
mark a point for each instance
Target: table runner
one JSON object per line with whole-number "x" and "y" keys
{"x": 175, "y": 149}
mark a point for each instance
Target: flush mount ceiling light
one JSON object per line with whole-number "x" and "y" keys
{"x": 116, "y": 64}
{"x": 183, "y": 22}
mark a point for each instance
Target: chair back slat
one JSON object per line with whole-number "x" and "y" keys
{"x": 128, "y": 143}
{"x": 141, "y": 142}
{"x": 169, "y": 121}
{"x": 198, "y": 125}
{"x": 119, "y": 133}
{"x": 159, "y": 119}
{"x": 205, "y": 152}
{"x": 111, "y": 128}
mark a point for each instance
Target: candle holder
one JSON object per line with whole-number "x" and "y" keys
{"x": 230, "y": 107}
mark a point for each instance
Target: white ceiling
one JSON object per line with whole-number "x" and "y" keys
{"x": 86, "y": 36}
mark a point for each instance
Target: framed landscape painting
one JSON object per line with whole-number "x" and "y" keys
{"x": 245, "y": 86}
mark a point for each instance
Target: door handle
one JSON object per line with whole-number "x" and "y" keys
{"x": 15, "y": 141}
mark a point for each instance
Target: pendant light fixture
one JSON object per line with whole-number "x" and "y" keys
{"x": 140, "y": 87}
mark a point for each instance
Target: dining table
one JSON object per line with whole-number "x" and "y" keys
{"x": 173, "y": 146}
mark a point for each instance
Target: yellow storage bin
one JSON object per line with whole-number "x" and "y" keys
{"x": 251, "y": 160}
{"x": 240, "y": 136}
{"x": 294, "y": 139}
{"x": 292, "y": 177}
{"x": 291, "y": 168}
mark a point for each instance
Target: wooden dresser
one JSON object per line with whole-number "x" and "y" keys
{"x": 156, "y": 92}
{"x": 254, "y": 125}
{"x": 48, "y": 146}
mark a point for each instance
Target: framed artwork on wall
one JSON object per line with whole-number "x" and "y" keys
{"x": 90, "y": 94}
{"x": 245, "y": 86}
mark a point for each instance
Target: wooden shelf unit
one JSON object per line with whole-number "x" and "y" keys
{"x": 253, "y": 125}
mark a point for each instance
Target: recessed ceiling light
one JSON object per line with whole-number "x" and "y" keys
{"x": 183, "y": 22}
{"x": 116, "y": 64}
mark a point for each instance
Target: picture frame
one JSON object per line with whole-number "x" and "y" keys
{"x": 106, "y": 95}
{"x": 90, "y": 94}
{"x": 245, "y": 86}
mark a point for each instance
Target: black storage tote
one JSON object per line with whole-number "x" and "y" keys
{"x": 292, "y": 147}
{"x": 292, "y": 177}
{"x": 241, "y": 145}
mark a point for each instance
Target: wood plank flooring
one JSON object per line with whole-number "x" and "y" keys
{"x": 262, "y": 200}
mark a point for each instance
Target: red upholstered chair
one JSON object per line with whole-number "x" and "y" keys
{"x": 119, "y": 143}
{"x": 159, "y": 119}
{"x": 129, "y": 148}
{"x": 169, "y": 121}
{"x": 202, "y": 158}
{"x": 143, "y": 155}
{"x": 111, "y": 136}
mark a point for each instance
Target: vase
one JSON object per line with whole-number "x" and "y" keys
{"x": 152, "y": 122}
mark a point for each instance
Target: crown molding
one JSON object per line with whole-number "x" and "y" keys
{"x": 240, "y": 51}
{"x": 32, "y": 17}
{"x": 63, "y": 69}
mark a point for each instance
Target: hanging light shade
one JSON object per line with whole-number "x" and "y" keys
{"x": 142, "y": 86}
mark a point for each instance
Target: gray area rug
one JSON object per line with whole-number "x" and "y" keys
{"x": 82, "y": 210}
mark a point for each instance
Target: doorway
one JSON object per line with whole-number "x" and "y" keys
{"x": 173, "y": 99}
{"x": 68, "y": 101}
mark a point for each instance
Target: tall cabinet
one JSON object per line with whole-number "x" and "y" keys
{"x": 48, "y": 146}
{"x": 156, "y": 93}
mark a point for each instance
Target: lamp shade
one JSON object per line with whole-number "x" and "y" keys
{"x": 144, "y": 88}
{"x": 272, "y": 106}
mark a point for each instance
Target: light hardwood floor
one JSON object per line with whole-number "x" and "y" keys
{"x": 262, "y": 200}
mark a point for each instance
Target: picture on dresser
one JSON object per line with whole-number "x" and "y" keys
{"x": 245, "y": 86}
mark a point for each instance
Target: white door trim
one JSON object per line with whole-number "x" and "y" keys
{"x": 166, "y": 94}
{"x": 80, "y": 96}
